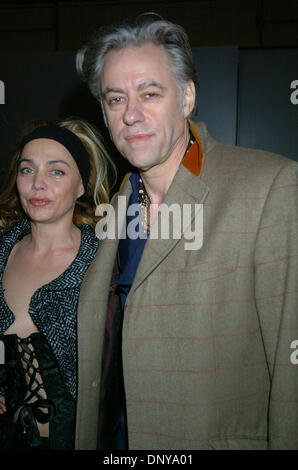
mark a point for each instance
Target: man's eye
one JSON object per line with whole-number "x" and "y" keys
{"x": 116, "y": 100}
{"x": 151, "y": 95}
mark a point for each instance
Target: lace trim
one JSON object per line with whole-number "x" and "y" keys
{"x": 36, "y": 407}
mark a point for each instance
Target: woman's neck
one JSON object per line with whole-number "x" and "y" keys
{"x": 53, "y": 237}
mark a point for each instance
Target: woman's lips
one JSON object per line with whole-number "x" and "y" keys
{"x": 39, "y": 202}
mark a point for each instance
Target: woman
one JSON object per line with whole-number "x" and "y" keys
{"x": 47, "y": 211}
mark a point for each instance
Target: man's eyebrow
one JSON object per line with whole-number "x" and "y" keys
{"x": 149, "y": 84}
{"x": 140, "y": 87}
{"x": 111, "y": 90}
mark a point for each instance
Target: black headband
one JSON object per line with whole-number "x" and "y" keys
{"x": 69, "y": 140}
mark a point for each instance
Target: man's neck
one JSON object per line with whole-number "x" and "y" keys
{"x": 158, "y": 179}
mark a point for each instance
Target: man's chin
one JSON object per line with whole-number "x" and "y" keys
{"x": 139, "y": 162}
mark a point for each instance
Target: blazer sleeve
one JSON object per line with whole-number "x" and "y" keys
{"x": 276, "y": 296}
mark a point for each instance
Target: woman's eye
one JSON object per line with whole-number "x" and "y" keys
{"x": 57, "y": 172}
{"x": 26, "y": 170}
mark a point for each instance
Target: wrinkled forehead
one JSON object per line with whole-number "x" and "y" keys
{"x": 149, "y": 61}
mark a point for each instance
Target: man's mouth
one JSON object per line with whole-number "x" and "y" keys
{"x": 133, "y": 138}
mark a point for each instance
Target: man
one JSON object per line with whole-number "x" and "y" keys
{"x": 183, "y": 348}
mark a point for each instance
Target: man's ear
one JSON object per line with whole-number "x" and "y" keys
{"x": 189, "y": 98}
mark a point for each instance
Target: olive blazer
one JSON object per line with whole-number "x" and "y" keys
{"x": 207, "y": 333}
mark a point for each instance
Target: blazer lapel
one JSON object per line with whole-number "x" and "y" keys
{"x": 185, "y": 189}
{"x": 98, "y": 277}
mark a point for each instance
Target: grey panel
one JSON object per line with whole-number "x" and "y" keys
{"x": 267, "y": 117}
{"x": 45, "y": 86}
{"x": 217, "y": 69}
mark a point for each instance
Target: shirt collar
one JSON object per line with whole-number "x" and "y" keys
{"x": 194, "y": 158}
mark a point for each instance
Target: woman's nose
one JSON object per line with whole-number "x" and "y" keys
{"x": 39, "y": 181}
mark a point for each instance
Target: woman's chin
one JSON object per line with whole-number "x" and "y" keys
{"x": 40, "y": 217}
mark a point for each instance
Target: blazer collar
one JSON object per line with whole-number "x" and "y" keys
{"x": 186, "y": 188}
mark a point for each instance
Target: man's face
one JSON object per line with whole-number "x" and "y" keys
{"x": 141, "y": 102}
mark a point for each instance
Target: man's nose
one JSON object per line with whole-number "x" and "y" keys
{"x": 133, "y": 113}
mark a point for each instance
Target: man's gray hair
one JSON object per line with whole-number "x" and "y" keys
{"x": 147, "y": 28}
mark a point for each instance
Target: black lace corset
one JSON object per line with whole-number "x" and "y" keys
{"x": 35, "y": 393}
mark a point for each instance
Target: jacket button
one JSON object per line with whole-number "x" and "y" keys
{"x": 94, "y": 384}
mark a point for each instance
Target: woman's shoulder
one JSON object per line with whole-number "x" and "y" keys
{"x": 90, "y": 242}
{"x": 13, "y": 233}
{"x": 74, "y": 274}
{"x": 3, "y": 233}
{"x": 89, "y": 235}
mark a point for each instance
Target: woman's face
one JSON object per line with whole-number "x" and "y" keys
{"x": 48, "y": 181}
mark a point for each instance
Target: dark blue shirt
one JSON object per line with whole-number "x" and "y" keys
{"x": 128, "y": 257}
{"x": 129, "y": 250}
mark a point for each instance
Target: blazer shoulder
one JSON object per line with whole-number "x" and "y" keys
{"x": 232, "y": 159}
{"x": 219, "y": 156}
